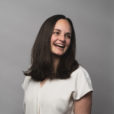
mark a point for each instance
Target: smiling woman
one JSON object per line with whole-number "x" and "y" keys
{"x": 61, "y": 37}
{"x": 55, "y": 83}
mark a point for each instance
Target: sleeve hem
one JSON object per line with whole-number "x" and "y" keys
{"x": 83, "y": 94}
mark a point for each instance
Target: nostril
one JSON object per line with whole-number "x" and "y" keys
{"x": 62, "y": 38}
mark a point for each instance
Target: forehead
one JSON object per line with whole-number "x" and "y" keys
{"x": 63, "y": 25}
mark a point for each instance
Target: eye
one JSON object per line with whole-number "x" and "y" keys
{"x": 56, "y": 33}
{"x": 68, "y": 36}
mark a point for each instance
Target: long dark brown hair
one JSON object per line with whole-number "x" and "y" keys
{"x": 41, "y": 56}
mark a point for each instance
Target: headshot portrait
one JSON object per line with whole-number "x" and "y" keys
{"x": 56, "y": 57}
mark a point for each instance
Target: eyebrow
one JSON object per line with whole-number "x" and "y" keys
{"x": 57, "y": 29}
{"x": 60, "y": 31}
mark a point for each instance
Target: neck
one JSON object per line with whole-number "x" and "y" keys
{"x": 56, "y": 61}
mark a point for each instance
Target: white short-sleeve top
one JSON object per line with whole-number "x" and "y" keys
{"x": 56, "y": 96}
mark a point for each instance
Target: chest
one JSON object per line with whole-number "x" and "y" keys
{"x": 53, "y": 93}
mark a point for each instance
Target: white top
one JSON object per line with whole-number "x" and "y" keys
{"x": 56, "y": 96}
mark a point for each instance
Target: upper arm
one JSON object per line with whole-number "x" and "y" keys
{"x": 83, "y": 105}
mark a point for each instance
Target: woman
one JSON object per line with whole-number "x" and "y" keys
{"x": 55, "y": 83}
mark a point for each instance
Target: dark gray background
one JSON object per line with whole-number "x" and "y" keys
{"x": 20, "y": 21}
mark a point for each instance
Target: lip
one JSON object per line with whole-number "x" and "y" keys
{"x": 59, "y": 45}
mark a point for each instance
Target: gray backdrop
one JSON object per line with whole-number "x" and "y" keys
{"x": 20, "y": 21}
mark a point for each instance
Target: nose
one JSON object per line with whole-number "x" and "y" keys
{"x": 62, "y": 37}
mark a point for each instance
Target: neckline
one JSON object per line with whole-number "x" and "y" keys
{"x": 43, "y": 83}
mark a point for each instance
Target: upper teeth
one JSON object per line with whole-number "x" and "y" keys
{"x": 60, "y": 45}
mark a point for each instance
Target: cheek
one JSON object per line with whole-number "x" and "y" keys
{"x": 52, "y": 39}
{"x": 68, "y": 43}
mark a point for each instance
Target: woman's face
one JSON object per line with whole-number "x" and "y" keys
{"x": 61, "y": 37}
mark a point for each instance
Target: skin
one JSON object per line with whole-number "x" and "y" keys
{"x": 83, "y": 105}
{"x": 60, "y": 42}
{"x": 61, "y": 37}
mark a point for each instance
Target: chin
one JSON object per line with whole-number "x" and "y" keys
{"x": 58, "y": 54}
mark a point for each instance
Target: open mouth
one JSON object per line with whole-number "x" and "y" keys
{"x": 59, "y": 45}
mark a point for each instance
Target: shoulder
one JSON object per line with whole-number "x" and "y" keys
{"x": 26, "y": 82}
{"x": 80, "y": 71}
{"x": 82, "y": 80}
{"x": 81, "y": 74}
